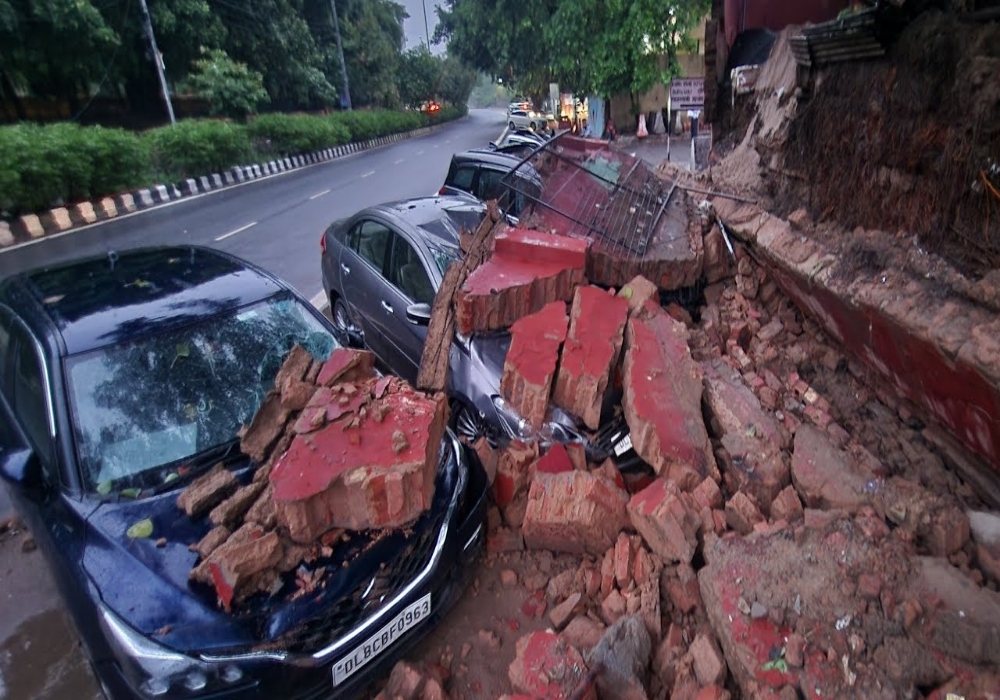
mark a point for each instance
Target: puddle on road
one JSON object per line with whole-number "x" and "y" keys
{"x": 43, "y": 660}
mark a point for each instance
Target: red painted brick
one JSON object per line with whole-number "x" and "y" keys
{"x": 662, "y": 401}
{"x": 667, "y": 520}
{"x": 623, "y": 561}
{"x": 596, "y": 331}
{"x": 787, "y": 505}
{"x": 555, "y": 461}
{"x": 682, "y": 589}
{"x": 531, "y": 361}
{"x": 637, "y": 292}
{"x": 574, "y": 512}
{"x": 546, "y": 667}
{"x": 347, "y": 365}
{"x": 350, "y": 473}
{"x": 513, "y": 470}
{"x": 528, "y": 269}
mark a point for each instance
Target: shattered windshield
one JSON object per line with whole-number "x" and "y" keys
{"x": 143, "y": 408}
{"x": 443, "y": 257}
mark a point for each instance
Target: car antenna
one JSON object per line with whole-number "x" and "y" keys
{"x": 112, "y": 259}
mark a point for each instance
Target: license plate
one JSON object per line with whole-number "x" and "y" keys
{"x": 624, "y": 445}
{"x": 382, "y": 640}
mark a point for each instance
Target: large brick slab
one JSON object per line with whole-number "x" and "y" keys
{"x": 662, "y": 398}
{"x": 531, "y": 361}
{"x": 574, "y": 512}
{"x": 825, "y": 476}
{"x": 749, "y": 435}
{"x": 546, "y": 667}
{"x": 667, "y": 520}
{"x": 528, "y": 269}
{"x": 590, "y": 355}
{"x": 369, "y": 468}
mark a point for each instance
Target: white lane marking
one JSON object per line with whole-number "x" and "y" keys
{"x": 319, "y": 301}
{"x": 320, "y": 194}
{"x": 239, "y": 230}
{"x": 420, "y": 153}
{"x": 434, "y": 146}
{"x": 397, "y": 162}
{"x": 368, "y": 174}
{"x": 447, "y": 141}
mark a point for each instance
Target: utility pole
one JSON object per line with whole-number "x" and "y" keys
{"x": 340, "y": 50}
{"x": 147, "y": 25}
{"x": 427, "y": 33}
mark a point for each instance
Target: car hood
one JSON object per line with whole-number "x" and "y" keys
{"x": 147, "y": 585}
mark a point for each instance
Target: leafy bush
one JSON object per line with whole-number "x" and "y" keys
{"x": 196, "y": 147}
{"x": 290, "y": 134}
{"x": 230, "y": 88}
{"x": 364, "y": 125}
{"x": 120, "y": 160}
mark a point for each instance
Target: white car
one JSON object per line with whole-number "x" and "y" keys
{"x": 521, "y": 120}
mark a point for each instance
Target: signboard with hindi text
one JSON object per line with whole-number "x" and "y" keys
{"x": 687, "y": 93}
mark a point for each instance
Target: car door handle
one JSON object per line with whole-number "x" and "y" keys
{"x": 345, "y": 268}
{"x": 388, "y": 309}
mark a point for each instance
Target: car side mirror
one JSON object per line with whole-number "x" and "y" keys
{"x": 419, "y": 314}
{"x": 20, "y": 466}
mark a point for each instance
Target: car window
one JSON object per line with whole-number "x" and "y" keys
{"x": 143, "y": 409}
{"x": 490, "y": 186}
{"x": 463, "y": 177}
{"x": 373, "y": 241}
{"x": 31, "y": 398}
{"x": 407, "y": 272}
{"x": 5, "y": 325}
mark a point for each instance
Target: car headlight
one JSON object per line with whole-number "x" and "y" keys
{"x": 153, "y": 669}
{"x": 558, "y": 427}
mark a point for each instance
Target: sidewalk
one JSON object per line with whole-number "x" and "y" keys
{"x": 654, "y": 149}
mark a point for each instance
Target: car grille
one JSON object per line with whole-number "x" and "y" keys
{"x": 355, "y": 607}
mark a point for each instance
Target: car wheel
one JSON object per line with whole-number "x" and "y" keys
{"x": 511, "y": 125}
{"x": 342, "y": 321}
{"x": 467, "y": 423}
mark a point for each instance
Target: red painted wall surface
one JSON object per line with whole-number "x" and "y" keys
{"x": 741, "y": 15}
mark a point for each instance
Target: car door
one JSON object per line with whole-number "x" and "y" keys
{"x": 409, "y": 283}
{"x": 461, "y": 178}
{"x": 362, "y": 263}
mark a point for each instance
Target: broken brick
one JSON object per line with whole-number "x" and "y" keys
{"x": 667, "y": 520}
{"x": 662, "y": 401}
{"x": 296, "y": 395}
{"x": 682, "y": 588}
{"x": 742, "y": 513}
{"x": 232, "y": 567}
{"x": 504, "y": 539}
{"x": 623, "y": 561}
{"x": 709, "y": 666}
{"x": 512, "y": 471}
{"x": 265, "y": 428}
{"x": 582, "y": 632}
{"x": 707, "y": 494}
{"x": 531, "y": 361}
{"x": 825, "y": 476}
{"x": 574, "y": 512}
{"x": 560, "y": 614}
{"x": 210, "y": 542}
{"x": 613, "y": 607}
{"x": 786, "y": 506}
{"x": 235, "y": 507}
{"x": 293, "y": 369}
{"x": 488, "y": 457}
{"x": 546, "y": 667}
{"x": 347, "y": 365}
{"x": 637, "y": 292}
{"x": 590, "y": 355}
{"x": 350, "y": 475}
{"x": 207, "y": 491}
{"x": 555, "y": 461}
{"x": 528, "y": 269}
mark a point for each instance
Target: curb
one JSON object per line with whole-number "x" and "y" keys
{"x": 31, "y": 227}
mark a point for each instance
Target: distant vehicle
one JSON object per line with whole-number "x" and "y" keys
{"x": 381, "y": 270}
{"x": 124, "y": 377}
{"x": 480, "y": 172}
{"x": 519, "y": 119}
{"x": 430, "y": 107}
{"x": 519, "y": 104}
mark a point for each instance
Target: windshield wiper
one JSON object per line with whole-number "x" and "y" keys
{"x": 195, "y": 465}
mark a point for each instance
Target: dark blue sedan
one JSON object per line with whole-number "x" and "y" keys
{"x": 124, "y": 377}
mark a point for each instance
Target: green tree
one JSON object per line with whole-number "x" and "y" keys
{"x": 457, "y": 81}
{"x": 419, "y": 76}
{"x": 372, "y": 33}
{"x": 231, "y": 89}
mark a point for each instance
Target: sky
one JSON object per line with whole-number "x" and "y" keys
{"x": 413, "y": 26}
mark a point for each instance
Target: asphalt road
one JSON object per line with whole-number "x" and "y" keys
{"x": 275, "y": 223}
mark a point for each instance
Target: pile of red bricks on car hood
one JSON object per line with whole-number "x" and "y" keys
{"x": 768, "y": 553}
{"x": 339, "y": 449}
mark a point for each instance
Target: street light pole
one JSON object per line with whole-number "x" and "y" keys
{"x": 427, "y": 33}
{"x": 147, "y": 25}
{"x": 340, "y": 52}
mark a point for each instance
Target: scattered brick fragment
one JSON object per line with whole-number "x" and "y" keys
{"x": 637, "y": 292}
{"x": 512, "y": 471}
{"x": 235, "y": 507}
{"x": 709, "y": 666}
{"x": 265, "y": 428}
{"x": 207, "y": 491}
{"x": 234, "y": 567}
{"x": 546, "y": 667}
{"x": 667, "y": 520}
{"x": 742, "y": 513}
{"x": 347, "y": 365}
{"x": 825, "y": 476}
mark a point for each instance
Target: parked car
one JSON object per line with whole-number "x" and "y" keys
{"x": 519, "y": 103}
{"x": 517, "y": 143}
{"x": 382, "y": 268}
{"x": 521, "y": 119}
{"x": 481, "y": 173}
{"x": 125, "y": 376}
